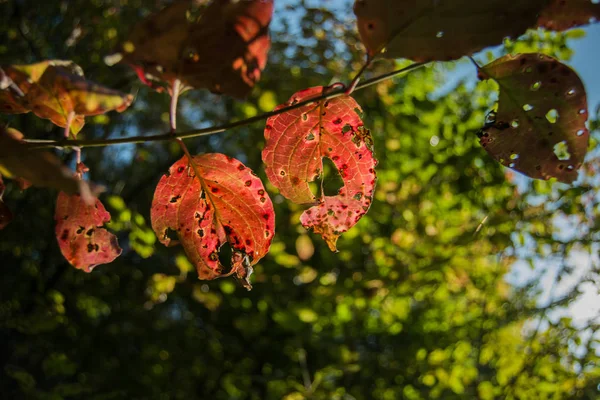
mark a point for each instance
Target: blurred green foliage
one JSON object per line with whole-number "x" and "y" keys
{"x": 416, "y": 304}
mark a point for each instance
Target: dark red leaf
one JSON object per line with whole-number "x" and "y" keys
{"x": 561, "y": 15}
{"x": 39, "y": 168}
{"x": 5, "y": 214}
{"x": 441, "y": 30}
{"x": 82, "y": 240}
{"x": 296, "y": 143}
{"x": 222, "y": 47}
{"x": 539, "y": 128}
{"x": 225, "y": 203}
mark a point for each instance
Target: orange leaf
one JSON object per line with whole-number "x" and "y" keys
{"x": 297, "y": 141}
{"x": 82, "y": 240}
{"x": 53, "y": 89}
{"x": 226, "y": 203}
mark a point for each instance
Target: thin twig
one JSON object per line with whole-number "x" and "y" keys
{"x": 40, "y": 144}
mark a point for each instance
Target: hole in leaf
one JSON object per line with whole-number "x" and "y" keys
{"x": 570, "y": 167}
{"x": 511, "y": 165}
{"x": 571, "y": 92}
{"x": 536, "y": 86}
{"x": 304, "y": 117}
{"x": 331, "y": 180}
{"x": 561, "y": 150}
{"x": 514, "y": 123}
{"x": 582, "y": 111}
{"x": 225, "y": 253}
{"x": 527, "y": 107}
{"x": 171, "y": 234}
{"x": 552, "y": 116}
{"x": 580, "y": 132}
{"x": 514, "y": 156}
{"x": 440, "y": 34}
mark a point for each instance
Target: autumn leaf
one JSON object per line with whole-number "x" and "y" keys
{"x": 82, "y": 240}
{"x": 225, "y": 203}
{"x": 222, "y": 47}
{"x": 39, "y": 168}
{"x": 5, "y": 213}
{"x": 297, "y": 141}
{"x": 54, "y": 90}
{"x": 561, "y": 15}
{"x": 539, "y": 128}
{"x": 440, "y": 30}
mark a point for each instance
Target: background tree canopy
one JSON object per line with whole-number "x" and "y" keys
{"x": 415, "y": 305}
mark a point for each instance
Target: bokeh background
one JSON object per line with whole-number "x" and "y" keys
{"x": 465, "y": 280}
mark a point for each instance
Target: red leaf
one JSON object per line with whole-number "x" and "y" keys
{"x": 296, "y": 143}
{"x": 82, "y": 240}
{"x": 226, "y": 203}
{"x": 5, "y": 214}
{"x": 222, "y": 47}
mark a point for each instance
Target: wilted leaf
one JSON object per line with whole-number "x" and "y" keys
{"x": 560, "y": 15}
{"x": 539, "y": 128}
{"x": 222, "y": 47}
{"x": 5, "y": 214}
{"x": 53, "y": 89}
{"x": 226, "y": 203}
{"x": 441, "y": 30}
{"x": 40, "y": 168}
{"x": 296, "y": 143}
{"x": 82, "y": 240}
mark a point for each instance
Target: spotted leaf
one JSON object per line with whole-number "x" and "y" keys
{"x": 539, "y": 127}
{"x": 297, "y": 141}
{"x": 213, "y": 201}
{"x": 81, "y": 238}
{"x": 222, "y": 47}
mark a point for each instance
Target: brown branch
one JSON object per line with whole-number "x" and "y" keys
{"x": 41, "y": 144}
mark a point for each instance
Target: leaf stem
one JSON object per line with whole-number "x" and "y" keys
{"x": 352, "y": 87}
{"x": 40, "y": 144}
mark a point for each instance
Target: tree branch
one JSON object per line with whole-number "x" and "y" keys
{"x": 41, "y": 144}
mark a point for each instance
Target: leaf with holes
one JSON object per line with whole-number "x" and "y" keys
{"x": 213, "y": 202}
{"x": 561, "y": 15}
{"x": 297, "y": 141}
{"x": 440, "y": 30}
{"x": 539, "y": 128}
{"x": 5, "y": 214}
{"x": 81, "y": 238}
{"x": 39, "y": 168}
{"x": 222, "y": 47}
{"x": 55, "y": 89}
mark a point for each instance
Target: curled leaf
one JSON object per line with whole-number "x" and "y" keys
{"x": 5, "y": 214}
{"x": 225, "y": 203}
{"x": 440, "y": 30}
{"x": 79, "y": 229}
{"x": 561, "y": 15}
{"x": 539, "y": 128}
{"x": 297, "y": 141}
{"x": 222, "y": 47}
{"x": 53, "y": 90}
{"x": 39, "y": 168}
